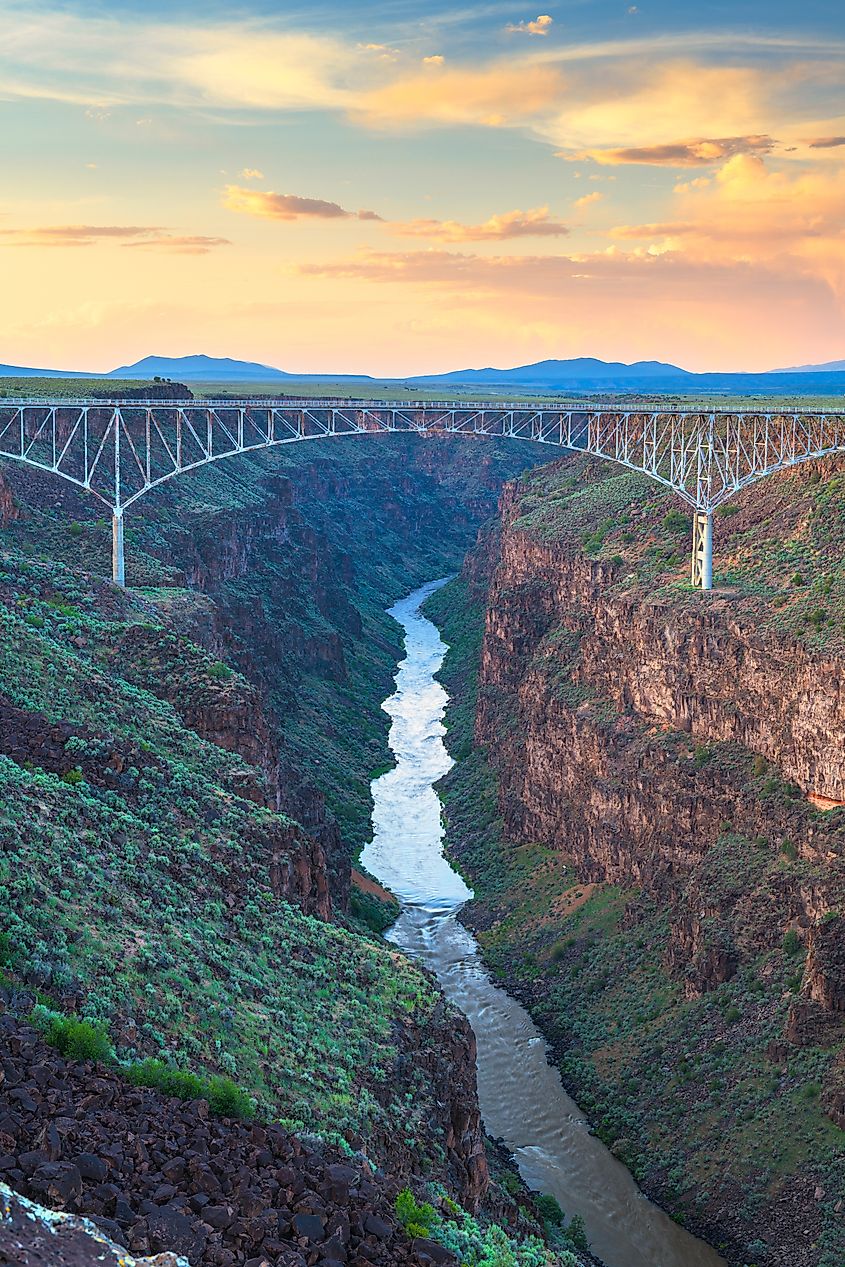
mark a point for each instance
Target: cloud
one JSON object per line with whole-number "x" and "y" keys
{"x": 540, "y": 26}
{"x": 252, "y": 173}
{"x": 383, "y": 51}
{"x": 669, "y": 229}
{"x": 437, "y": 59}
{"x": 269, "y": 205}
{"x": 76, "y": 234}
{"x": 194, "y": 244}
{"x": 510, "y": 224}
{"x": 500, "y": 94}
{"x": 826, "y": 142}
{"x": 701, "y": 152}
{"x": 149, "y": 236}
{"x": 589, "y": 199}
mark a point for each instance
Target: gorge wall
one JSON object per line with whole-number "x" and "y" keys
{"x": 659, "y": 759}
{"x": 185, "y": 772}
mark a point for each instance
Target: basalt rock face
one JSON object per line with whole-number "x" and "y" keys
{"x": 33, "y": 1236}
{"x": 675, "y": 751}
{"x": 157, "y": 1174}
{"x": 587, "y": 692}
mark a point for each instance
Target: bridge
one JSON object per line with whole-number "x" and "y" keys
{"x": 119, "y": 450}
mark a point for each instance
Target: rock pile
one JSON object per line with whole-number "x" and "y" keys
{"x": 32, "y": 1236}
{"x": 159, "y": 1174}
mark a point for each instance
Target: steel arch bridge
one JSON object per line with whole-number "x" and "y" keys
{"x": 119, "y": 450}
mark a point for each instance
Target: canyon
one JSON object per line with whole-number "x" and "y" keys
{"x": 647, "y": 802}
{"x": 186, "y": 775}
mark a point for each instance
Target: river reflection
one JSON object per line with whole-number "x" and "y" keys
{"x": 521, "y": 1095}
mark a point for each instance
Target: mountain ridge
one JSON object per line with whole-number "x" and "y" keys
{"x": 585, "y": 374}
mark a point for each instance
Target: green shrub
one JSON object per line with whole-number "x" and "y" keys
{"x": 73, "y": 777}
{"x": 417, "y": 1219}
{"x": 728, "y": 510}
{"x": 675, "y": 521}
{"x": 797, "y": 578}
{"x": 549, "y": 1209}
{"x": 702, "y": 756}
{"x": 72, "y": 1037}
{"x": 788, "y": 849}
{"x": 577, "y": 1233}
{"x": 791, "y": 942}
{"x": 224, "y": 1097}
{"x": 219, "y": 672}
{"x": 6, "y": 953}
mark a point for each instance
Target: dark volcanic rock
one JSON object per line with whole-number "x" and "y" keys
{"x": 217, "y": 1191}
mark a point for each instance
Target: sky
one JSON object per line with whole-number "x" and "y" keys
{"x": 397, "y": 188}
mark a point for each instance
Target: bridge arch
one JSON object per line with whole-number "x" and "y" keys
{"x": 120, "y": 450}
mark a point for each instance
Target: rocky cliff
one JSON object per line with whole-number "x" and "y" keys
{"x": 672, "y": 752}
{"x": 185, "y": 773}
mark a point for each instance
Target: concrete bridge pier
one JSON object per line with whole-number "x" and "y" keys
{"x": 702, "y": 549}
{"x": 118, "y": 560}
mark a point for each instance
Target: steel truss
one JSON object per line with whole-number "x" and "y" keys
{"x": 120, "y": 450}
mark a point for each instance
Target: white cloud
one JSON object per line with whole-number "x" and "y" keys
{"x": 540, "y": 26}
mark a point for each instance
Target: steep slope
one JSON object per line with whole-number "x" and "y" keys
{"x": 168, "y": 865}
{"x": 654, "y": 877}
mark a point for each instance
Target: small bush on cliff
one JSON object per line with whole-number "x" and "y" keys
{"x": 77, "y": 1039}
{"x": 224, "y": 1097}
{"x": 418, "y": 1219}
{"x": 549, "y": 1209}
{"x": 702, "y": 756}
{"x": 576, "y": 1233}
{"x": 791, "y": 942}
{"x": 219, "y": 672}
{"x": 676, "y": 521}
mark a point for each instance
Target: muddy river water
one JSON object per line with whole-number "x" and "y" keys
{"x": 521, "y": 1095}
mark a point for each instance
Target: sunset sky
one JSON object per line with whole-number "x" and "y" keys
{"x": 397, "y": 187}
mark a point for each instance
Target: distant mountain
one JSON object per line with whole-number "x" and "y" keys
{"x": 579, "y": 376}
{"x": 196, "y": 369}
{"x": 583, "y": 371}
{"x": 829, "y": 367}
{"x": 587, "y": 375}
{"x": 21, "y": 371}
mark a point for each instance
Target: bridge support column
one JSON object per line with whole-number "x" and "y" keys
{"x": 702, "y": 550}
{"x": 118, "y": 563}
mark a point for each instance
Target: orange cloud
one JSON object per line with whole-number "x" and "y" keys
{"x": 269, "y": 205}
{"x": 76, "y": 234}
{"x": 672, "y": 229}
{"x": 751, "y": 215}
{"x": 193, "y": 244}
{"x": 151, "y": 237}
{"x": 498, "y": 95}
{"x": 826, "y": 142}
{"x": 589, "y": 199}
{"x": 510, "y": 224}
{"x": 698, "y": 153}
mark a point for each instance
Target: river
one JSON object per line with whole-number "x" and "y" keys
{"x": 521, "y": 1095}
